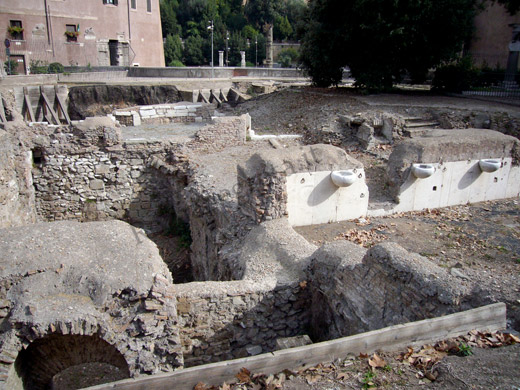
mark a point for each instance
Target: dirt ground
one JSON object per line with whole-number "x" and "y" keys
{"x": 447, "y": 365}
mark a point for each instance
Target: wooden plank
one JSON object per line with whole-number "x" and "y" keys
{"x": 27, "y": 104}
{"x": 48, "y": 109}
{"x": 214, "y": 98}
{"x": 202, "y": 98}
{"x": 2, "y": 110}
{"x": 491, "y": 318}
{"x": 61, "y": 106}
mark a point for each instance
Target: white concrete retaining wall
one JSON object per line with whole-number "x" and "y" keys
{"x": 455, "y": 183}
{"x": 172, "y": 112}
{"x": 312, "y": 198}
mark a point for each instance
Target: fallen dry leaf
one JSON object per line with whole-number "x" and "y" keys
{"x": 312, "y": 379}
{"x": 244, "y": 376}
{"x": 376, "y": 361}
{"x": 342, "y": 375}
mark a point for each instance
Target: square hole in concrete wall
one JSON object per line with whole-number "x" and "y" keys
{"x": 434, "y": 188}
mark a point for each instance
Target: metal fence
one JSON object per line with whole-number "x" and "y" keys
{"x": 495, "y": 83}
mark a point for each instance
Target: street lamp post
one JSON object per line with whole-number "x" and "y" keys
{"x": 227, "y": 48}
{"x": 210, "y": 27}
{"x": 256, "y": 51}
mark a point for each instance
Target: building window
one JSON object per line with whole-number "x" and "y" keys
{"x": 148, "y": 5}
{"x": 15, "y": 29}
{"x": 113, "y": 2}
{"x": 71, "y": 32}
{"x": 133, "y": 4}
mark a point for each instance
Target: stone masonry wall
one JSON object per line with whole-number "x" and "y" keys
{"x": 103, "y": 279}
{"x": 383, "y": 286}
{"x": 262, "y": 180}
{"x": 227, "y": 320}
{"x": 100, "y": 183}
{"x": 223, "y": 132}
{"x": 16, "y": 190}
{"x": 88, "y": 174}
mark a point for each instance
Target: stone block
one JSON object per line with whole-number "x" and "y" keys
{"x": 254, "y": 350}
{"x": 365, "y": 136}
{"x": 96, "y": 184}
{"x": 102, "y": 169}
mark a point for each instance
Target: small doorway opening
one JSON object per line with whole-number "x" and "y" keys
{"x": 113, "y": 47}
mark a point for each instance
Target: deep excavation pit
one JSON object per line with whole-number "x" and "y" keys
{"x": 234, "y": 203}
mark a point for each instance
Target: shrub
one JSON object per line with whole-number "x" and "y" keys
{"x": 55, "y": 67}
{"x": 38, "y": 67}
{"x": 287, "y": 57}
{"x": 14, "y": 64}
{"x": 456, "y": 77}
{"x": 176, "y": 63}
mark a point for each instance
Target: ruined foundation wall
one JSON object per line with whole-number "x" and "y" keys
{"x": 87, "y": 173}
{"x": 227, "y": 320}
{"x": 262, "y": 188}
{"x": 16, "y": 191}
{"x": 223, "y": 132}
{"x": 385, "y": 286}
{"x": 93, "y": 181}
{"x": 111, "y": 284}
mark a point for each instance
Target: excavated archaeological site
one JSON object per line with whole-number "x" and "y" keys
{"x": 227, "y": 187}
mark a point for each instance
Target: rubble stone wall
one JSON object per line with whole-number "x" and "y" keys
{"x": 227, "y": 320}
{"x": 100, "y": 182}
{"x": 262, "y": 180}
{"x": 16, "y": 190}
{"x": 223, "y": 132}
{"x": 88, "y": 174}
{"x": 383, "y": 286}
{"x": 111, "y": 284}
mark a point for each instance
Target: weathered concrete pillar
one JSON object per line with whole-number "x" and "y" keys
{"x": 269, "y": 48}
{"x": 221, "y": 58}
{"x": 243, "y": 59}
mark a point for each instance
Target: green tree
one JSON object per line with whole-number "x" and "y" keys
{"x": 287, "y": 57}
{"x": 193, "y": 51}
{"x": 173, "y": 50}
{"x": 512, "y": 6}
{"x": 295, "y": 12}
{"x": 169, "y": 23}
{"x": 262, "y": 12}
{"x": 249, "y": 32}
{"x": 256, "y": 51}
{"x": 282, "y": 28}
{"x": 380, "y": 40}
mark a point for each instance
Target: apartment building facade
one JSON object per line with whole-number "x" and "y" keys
{"x": 493, "y": 34}
{"x": 81, "y": 32}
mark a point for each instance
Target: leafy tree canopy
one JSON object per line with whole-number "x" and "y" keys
{"x": 380, "y": 40}
{"x": 262, "y": 12}
{"x": 186, "y": 19}
{"x": 173, "y": 50}
{"x": 512, "y": 6}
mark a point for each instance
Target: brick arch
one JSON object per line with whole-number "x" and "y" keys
{"x": 47, "y": 356}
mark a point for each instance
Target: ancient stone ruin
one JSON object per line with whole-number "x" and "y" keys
{"x": 82, "y": 283}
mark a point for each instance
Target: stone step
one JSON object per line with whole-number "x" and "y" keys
{"x": 421, "y": 124}
{"x": 415, "y": 132}
{"x": 414, "y": 119}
